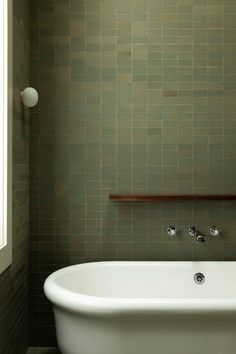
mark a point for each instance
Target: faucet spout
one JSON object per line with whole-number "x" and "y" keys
{"x": 201, "y": 239}
{"x": 194, "y": 232}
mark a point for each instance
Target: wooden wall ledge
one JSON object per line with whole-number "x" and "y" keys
{"x": 170, "y": 197}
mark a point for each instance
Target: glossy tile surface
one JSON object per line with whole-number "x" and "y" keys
{"x": 136, "y": 96}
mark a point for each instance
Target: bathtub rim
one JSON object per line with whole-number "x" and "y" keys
{"x": 89, "y": 304}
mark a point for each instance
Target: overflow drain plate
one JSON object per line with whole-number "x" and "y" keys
{"x": 199, "y": 278}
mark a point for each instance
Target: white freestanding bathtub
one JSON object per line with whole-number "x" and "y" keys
{"x": 145, "y": 308}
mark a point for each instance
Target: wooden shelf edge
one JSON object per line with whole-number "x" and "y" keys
{"x": 170, "y": 198}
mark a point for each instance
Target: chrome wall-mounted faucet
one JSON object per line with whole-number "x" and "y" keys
{"x": 194, "y": 232}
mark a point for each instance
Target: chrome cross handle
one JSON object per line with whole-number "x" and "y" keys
{"x": 192, "y": 230}
{"x": 172, "y": 230}
{"x": 215, "y": 231}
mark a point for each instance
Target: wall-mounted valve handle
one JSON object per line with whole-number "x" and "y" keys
{"x": 192, "y": 230}
{"x": 215, "y": 231}
{"x": 172, "y": 230}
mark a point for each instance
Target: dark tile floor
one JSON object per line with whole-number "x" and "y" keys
{"x": 43, "y": 351}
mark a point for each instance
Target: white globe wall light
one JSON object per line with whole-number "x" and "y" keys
{"x": 29, "y": 97}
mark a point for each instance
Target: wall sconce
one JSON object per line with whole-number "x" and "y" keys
{"x": 29, "y": 97}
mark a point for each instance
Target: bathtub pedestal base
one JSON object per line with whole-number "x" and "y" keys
{"x": 146, "y": 334}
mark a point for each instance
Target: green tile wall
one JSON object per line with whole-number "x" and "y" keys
{"x": 136, "y": 96}
{"x": 14, "y": 281}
